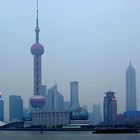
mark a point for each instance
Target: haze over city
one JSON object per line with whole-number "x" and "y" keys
{"x": 88, "y": 41}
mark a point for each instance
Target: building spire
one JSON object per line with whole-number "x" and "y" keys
{"x": 37, "y": 30}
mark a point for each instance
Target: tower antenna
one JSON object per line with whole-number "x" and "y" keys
{"x": 37, "y": 30}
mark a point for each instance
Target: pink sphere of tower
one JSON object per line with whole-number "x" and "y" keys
{"x": 37, "y": 49}
{"x": 37, "y": 101}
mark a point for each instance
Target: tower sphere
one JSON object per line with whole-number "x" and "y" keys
{"x": 37, "y": 49}
{"x": 37, "y": 101}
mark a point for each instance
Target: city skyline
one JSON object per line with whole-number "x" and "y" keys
{"x": 77, "y": 47}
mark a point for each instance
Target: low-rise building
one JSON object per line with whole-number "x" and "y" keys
{"x": 128, "y": 117}
{"x": 50, "y": 119}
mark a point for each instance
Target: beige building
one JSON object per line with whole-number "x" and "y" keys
{"x": 50, "y": 118}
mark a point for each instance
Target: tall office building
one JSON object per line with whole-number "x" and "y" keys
{"x": 110, "y": 107}
{"x": 37, "y": 50}
{"x": 97, "y": 115}
{"x": 55, "y": 100}
{"x": 1, "y": 108}
{"x": 131, "y": 102}
{"x": 15, "y": 108}
{"x": 74, "y": 101}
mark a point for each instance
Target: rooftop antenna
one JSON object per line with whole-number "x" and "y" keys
{"x": 37, "y": 30}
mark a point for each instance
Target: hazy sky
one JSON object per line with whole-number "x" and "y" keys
{"x": 91, "y": 41}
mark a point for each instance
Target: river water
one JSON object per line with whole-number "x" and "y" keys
{"x": 62, "y": 135}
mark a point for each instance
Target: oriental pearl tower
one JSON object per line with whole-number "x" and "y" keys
{"x": 37, "y": 50}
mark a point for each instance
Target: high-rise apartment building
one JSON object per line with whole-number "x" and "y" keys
{"x": 1, "y": 108}
{"x": 131, "y": 102}
{"x": 15, "y": 108}
{"x": 74, "y": 101}
{"x": 110, "y": 107}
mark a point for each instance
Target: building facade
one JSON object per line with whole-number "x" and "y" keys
{"x": 131, "y": 101}
{"x": 50, "y": 119}
{"x": 66, "y": 105}
{"x": 79, "y": 116}
{"x": 110, "y": 107}
{"x": 55, "y": 100}
{"x": 44, "y": 92}
{"x": 129, "y": 117}
{"x": 1, "y": 108}
{"x": 74, "y": 101}
{"x": 97, "y": 115}
{"x": 15, "y": 108}
{"x": 85, "y": 107}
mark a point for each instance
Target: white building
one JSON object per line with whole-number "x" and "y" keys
{"x": 50, "y": 118}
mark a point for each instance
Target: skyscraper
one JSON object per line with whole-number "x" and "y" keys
{"x": 37, "y": 50}
{"x": 131, "y": 102}
{"x": 74, "y": 101}
{"x": 15, "y": 108}
{"x": 1, "y": 108}
{"x": 55, "y": 100}
{"x": 110, "y": 107}
{"x": 97, "y": 116}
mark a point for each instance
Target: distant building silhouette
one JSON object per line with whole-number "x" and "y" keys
{"x": 131, "y": 101}
{"x": 110, "y": 107}
{"x": 66, "y": 105}
{"x": 15, "y": 108}
{"x": 97, "y": 116}
{"x": 44, "y": 92}
{"x": 85, "y": 107}
{"x": 129, "y": 117}
{"x": 1, "y": 108}
{"x": 91, "y": 118}
{"x": 74, "y": 101}
{"x": 55, "y": 100}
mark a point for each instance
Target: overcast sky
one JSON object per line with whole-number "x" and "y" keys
{"x": 91, "y": 41}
